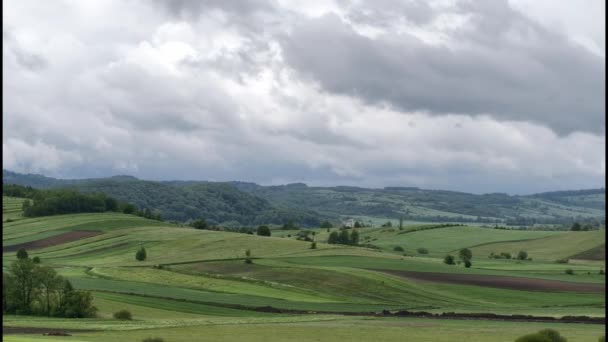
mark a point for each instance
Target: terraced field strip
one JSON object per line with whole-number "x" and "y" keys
{"x": 51, "y": 241}
{"x": 516, "y": 283}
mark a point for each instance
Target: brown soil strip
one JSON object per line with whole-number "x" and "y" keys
{"x": 31, "y": 330}
{"x": 596, "y": 253}
{"x": 504, "y": 282}
{"x": 52, "y": 240}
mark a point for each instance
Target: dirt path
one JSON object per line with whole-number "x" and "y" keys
{"x": 505, "y": 282}
{"x": 52, "y": 240}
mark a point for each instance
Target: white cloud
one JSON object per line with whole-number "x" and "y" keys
{"x": 208, "y": 98}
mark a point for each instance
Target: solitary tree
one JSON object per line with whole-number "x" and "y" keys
{"x": 400, "y": 222}
{"x": 576, "y": 227}
{"x": 343, "y": 237}
{"x": 354, "y": 238}
{"x": 313, "y": 245}
{"x": 36, "y": 260}
{"x": 200, "y": 224}
{"x": 357, "y": 224}
{"x": 248, "y": 255}
{"x": 263, "y": 231}
{"x": 22, "y": 253}
{"x": 333, "y": 237}
{"x": 465, "y": 254}
{"x": 522, "y": 255}
{"x": 140, "y": 255}
{"x": 449, "y": 259}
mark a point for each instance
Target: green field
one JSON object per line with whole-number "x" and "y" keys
{"x": 204, "y": 289}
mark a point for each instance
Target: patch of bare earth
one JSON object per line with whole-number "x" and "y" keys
{"x": 505, "y": 282}
{"x": 52, "y": 240}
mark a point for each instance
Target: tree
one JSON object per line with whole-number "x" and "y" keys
{"x": 22, "y": 253}
{"x": 26, "y": 205}
{"x": 36, "y": 260}
{"x": 289, "y": 225}
{"x": 24, "y": 279}
{"x": 465, "y": 254}
{"x": 354, "y": 238}
{"x": 263, "y": 231}
{"x": 343, "y": 237}
{"x": 50, "y": 282}
{"x": 313, "y": 245}
{"x": 467, "y": 263}
{"x": 128, "y": 209}
{"x": 576, "y": 227}
{"x": 400, "y": 222}
{"x": 388, "y": 224}
{"x": 545, "y": 335}
{"x": 248, "y": 257}
{"x": 333, "y": 238}
{"x": 326, "y": 224}
{"x": 200, "y": 224}
{"x": 449, "y": 259}
{"x": 422, "y": 250}
{"x": 124, "y": 315}
{"x": 141, "y": 255}
{"x": 357, "y": 224}
{"x": 522, "y": 255}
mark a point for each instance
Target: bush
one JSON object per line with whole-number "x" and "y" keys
{"x": 569, "y": 271}
{"x": 248, "y": 261}
{"x": 398, "y": 249}
{"x": 36, "y": 260}
{"x": 545, "y": 335}
{"x": 562, "y": 261}
{"x": 505, "y": 255}
{"x": 467, "y": 263}
{"x": 124, "y": 315}
{"x": 465, "y": 254}
{"x": 22, "y": 254}
{"x": 263, "y": 231}
{"x": 422, "y": 251}
{"x": 522, "y": 255}
{"x": 140, "y": 255}
{"x": 313, "y": 245}
{"x": 449, "y": 259}
{"x": 601, "y": 272}
{"x": 153, "y": 339}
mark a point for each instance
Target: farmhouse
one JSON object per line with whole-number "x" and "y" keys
{"x": 349, "y": 223}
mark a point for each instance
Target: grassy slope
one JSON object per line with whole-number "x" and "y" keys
{"x": 286, "y": 273}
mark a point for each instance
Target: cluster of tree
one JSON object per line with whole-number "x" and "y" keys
{"x": 289, "y": 225}
{"x": 263, "y": 231}
{"x": 147, "y": 213}
{"x": 30, "y": 288}
{"x": 576, "y": 227}
{"x": 465, "y": 256}
{"x": 545, "y": 335}
{"x": 57, "y": 202}
{"x": 326, "y": 224}
{"x": 432, "y": 226}
{"x": 305, "y": 235}
{"x": 343, "y": 238}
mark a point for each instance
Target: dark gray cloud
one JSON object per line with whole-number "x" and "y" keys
{"x": 506, "y": 66}
{"x": 282, "y": 92}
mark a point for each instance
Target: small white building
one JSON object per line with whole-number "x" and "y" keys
{"x": 349, "y": 223}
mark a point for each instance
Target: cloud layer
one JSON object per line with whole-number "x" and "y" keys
{"x": 457, "y": 95}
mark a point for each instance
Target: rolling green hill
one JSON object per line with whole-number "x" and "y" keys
{"x": 238, "y": 203}
{"x": 196, "y": 281}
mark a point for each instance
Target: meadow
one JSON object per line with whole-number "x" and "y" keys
{"x": 196, "y": 285}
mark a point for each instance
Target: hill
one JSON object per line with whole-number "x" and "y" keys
{"x": 240, "y": 203}
{"x": 195, "y": 282}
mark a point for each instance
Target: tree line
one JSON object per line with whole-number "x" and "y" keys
{"x": 343, "y": 238}
{"x": 29, "y": 288}
{"x": 65, "y": 201}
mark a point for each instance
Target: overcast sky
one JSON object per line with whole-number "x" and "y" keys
{"x": 476, "y": 96}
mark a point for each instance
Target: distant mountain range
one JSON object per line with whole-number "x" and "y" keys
{"x": 241, "y": 203}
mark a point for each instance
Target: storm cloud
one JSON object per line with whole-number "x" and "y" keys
{"x": 472, "y": 96}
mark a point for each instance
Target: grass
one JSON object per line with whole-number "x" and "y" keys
{"x": 204, "y": 283}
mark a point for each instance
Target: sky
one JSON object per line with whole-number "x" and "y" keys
{"x": 474, "y": 96}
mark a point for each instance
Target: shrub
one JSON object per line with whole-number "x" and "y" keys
{"x": 449, "y": 259}
{"x": 9, "y": 220}
{"x": 140, "y": 255}
{"x": 505, "y": 255}
{"x": 263, "y": 231}
{"x": 562, "y": 261}
{"x": 522, "y": 255}
{"x": 124, "y": 315}
{"x": 465, "y": 254}
{"x": 467, "y": 263}
{"x": 601, "y": 272}
{"x": 313, "y": 245}
{"x": 248, "y": 261}
{"x": 569, "y": 271}
{"x": 22, "y": 254}
{"x": 545, "y": 335}
{"x": 36, "y": 260}
{"x": 422, "y": 251}
{"x": 153, "y": 339}
{"x": 398, "y": 249}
